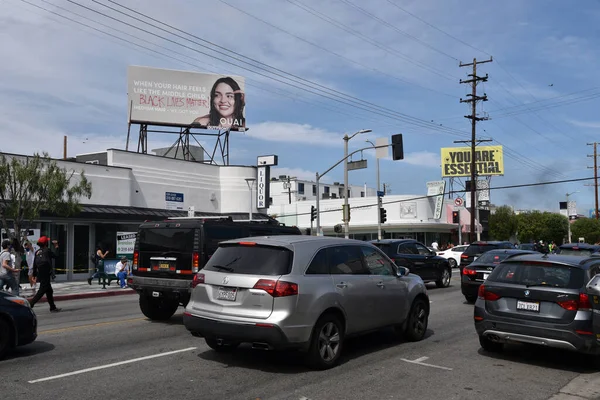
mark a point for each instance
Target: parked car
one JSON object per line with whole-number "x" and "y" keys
{"x": 526, "y": 246}
{"x": 453, "y": 255}
{"x": 478, "y": 271}
{"x": 578, "y": 249}
{"x": 418, "y": 259}
{"x": 303, "y": 292}
{"x": 476, "y": 249}
{"x": 18, "y": 323}
{"x": 538, "y": 299}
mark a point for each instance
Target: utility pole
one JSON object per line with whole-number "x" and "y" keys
{"x": 595, "y": 177}
{"x": 473, "y": 117}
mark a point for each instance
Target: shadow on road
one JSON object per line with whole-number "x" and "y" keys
{"x": 33, "y": 349}
{"x": 292, "y": 362}
{"x": 542, "y": 357}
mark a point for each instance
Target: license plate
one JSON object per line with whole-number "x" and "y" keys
{"x": 485, "y": 276}
{"x": 164, "y": 265}
{"x": 528, "y": 306}
{"x": 228, "y": 294}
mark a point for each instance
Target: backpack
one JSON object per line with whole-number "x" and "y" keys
{"x": 42, "y": 259}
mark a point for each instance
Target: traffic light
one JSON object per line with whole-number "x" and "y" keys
{"x": 397, "y": 147}
{"x": 382, "y": 215}
{"x": 313, "y": 213}
{"x": 455, "y": 217}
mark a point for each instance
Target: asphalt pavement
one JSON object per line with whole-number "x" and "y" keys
{"x": 103, "y": 348}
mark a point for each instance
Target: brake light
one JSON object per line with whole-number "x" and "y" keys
{"x": 569, "y": 305}
{"x": 136, "y": 257}
{"x": 469, "y": 271}
{"x": 195, "y": 262}
{"x": 483, "y": 294}
{"x": 464, "y": 256}
{"x": 277, "y": 288}
{"x": 584, "y": 302}
{"x": 573, "y": 305}
{"x": 247, "y": 243}
{"x": 198, "y": 279}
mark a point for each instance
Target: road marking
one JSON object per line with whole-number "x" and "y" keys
{"x": 420, "y": 360}
{"x": 83, "y": 371}
{"x": 73, "y": 328}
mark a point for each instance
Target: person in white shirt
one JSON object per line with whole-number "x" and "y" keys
{"x": 121, "y": 270}
{"x": 435, "y": 245}
{"x": 29, "y": 257}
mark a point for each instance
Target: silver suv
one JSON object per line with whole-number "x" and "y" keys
{"x": 303, "y": 292}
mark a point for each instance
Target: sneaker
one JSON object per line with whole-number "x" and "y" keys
{"x": 90, "y": 281}
{"x": 55, "y": 309}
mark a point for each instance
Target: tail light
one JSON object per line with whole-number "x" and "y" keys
{"x": 464, "y": 256}
{"x": 573, "y": 305}
{"x": 277, "y": 288}
{"x": 469, "y": 271}
{"x": 195, "y": 262}
{"x": 136, "y": 258}
{"x": 198, "y": 279}
{"x": 483, "y": 294}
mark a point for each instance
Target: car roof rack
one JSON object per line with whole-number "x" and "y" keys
{"x": 209, "y": 217}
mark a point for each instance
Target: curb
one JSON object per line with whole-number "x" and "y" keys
{"x": 89, "y": 295}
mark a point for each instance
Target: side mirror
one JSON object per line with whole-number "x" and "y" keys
{"x": 402, "y": 271}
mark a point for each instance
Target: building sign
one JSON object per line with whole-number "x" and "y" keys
{"x": 456, "y": 161}
{"x": 125, "y": 243}
{"x": 173, "y": 201}
{"x": 184, "y": 98}
{"x": 408, "y": 209}
{"x": 262, "y": 187}
{"x": 437, "y": 189}
{"x": 483, "y": 190}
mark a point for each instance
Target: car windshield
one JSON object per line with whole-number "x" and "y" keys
{"x": 538, "y": 274}
{"x": 252, "y": 260}
{"x": 492, "y": 258}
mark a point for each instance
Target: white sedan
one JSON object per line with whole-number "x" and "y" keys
{"x": 453, "y": 255}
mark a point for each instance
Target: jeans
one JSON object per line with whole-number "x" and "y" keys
{"x": 45, "y": 289}
{"x": 10, "y": 280}
{"x": 122, "y": 275}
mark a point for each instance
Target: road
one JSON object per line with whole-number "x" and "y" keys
{"x": 75, "y": 347}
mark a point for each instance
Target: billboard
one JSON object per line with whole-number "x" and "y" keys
{"x": 456, "y": 161}
{"x": 185, "y": 99}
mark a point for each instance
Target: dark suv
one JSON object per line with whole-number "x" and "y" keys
{"x": 418, "y": 259}
{"x": 578, "y": 249}
{"x": 539, "y": 299}
{"x": 476, "y": 249}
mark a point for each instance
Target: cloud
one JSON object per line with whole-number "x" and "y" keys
{"x": 585, "y": 124}
{"x": 423, "y": 159}
{"x": 294, "y": 172}
{"x": 294, "y": 133}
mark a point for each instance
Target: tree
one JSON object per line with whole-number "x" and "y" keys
{"x": 530, "y": 226}
{"x": 587, "y": 228}
{"x": 30, "y": 185}
{"x": 556, "y": 227}
{"x": 503, "y": 223}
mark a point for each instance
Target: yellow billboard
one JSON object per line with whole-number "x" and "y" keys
{"x": 456, "y": 161}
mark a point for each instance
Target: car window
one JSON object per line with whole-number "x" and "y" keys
{"x": 538, "y": 274}
{"x": 493, "y": 257}
{"x": 216, "y": 233}
{"x": 387, "y": 248}
{"x": 422, "y": 250}
{"x": 377, "y": 264}
{"x": 407, "y": 248}
{"x": 164, "y": 240}
{"x": 475, "y": 249}
{"x": 346, "y": 260}
{"x": 459, "y": 249}
{"x": 252, "y": 260}
{"x": 319, "y": 265}
{"x": 594, "y": 270}
{"x": 576, "y": 252}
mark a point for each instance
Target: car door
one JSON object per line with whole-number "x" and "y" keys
{"x": 427, "y": 257}
{"x": 392, "y": 291}
{"x": 357, "y": 293}
{"x": 408, "y": 256}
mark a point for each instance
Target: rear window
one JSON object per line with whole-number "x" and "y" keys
{"x": 538, "y": 274}
{"x": 165, "y": 240}
{"x": 480, "y": 248}
{"x": 251, "y": 260}
{"x": 576, "y": 252}
{"x": 493, "y": 258}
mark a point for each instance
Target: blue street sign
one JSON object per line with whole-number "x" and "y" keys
{"x": 380, "y": 193}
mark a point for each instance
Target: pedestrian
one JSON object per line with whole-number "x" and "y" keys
{"x": 7, "y": 269}
{"x": 42, "y": 270}
{"x": 99, "y": 264}
{"x": 121, "y": 270}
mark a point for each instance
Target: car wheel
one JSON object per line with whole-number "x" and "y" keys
{"x": 416, "y": 326}
{"x": 452, "y": 262}
{"x": 488, "y": 345}
{"x": 221, "y": 347}
{"x": 327, "y": 342}
{"x": 5, "y": 338}
{"x": 444, "y": 280}
{"x": 158, "y": 309}
{"x": 471, "y": 299}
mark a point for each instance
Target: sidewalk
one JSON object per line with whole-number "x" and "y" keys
{"x": 77, "y": 290}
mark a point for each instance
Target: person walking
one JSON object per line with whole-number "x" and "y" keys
{"x": 29, "y": 258}
{"x": 99, "y": 264}
{"x": 7, "y": 269}
{"x": 42, "y": 270}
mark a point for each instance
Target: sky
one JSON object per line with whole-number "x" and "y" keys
{"x": 327, "y": 68}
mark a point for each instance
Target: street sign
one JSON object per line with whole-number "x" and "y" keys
{"x": 361, "y": 164}
{"x": 380, "y": 193}
{"x": 458, "y": 202}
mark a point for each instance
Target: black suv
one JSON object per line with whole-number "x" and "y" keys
{"x": 578, "y": 249}
{"x": 418, "y": 259}
{"x": 169, "y": 253}
{"x": 476, "y": 249}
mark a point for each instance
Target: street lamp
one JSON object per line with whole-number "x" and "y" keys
{"x": 378, "y": 198}
{"x": 250, "y": 183}
{"x": 568, "y": 216}
{"x": 347, "y": 213}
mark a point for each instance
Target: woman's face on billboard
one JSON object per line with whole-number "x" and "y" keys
{"x": 224, "y": 100}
